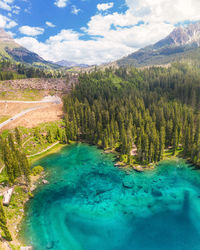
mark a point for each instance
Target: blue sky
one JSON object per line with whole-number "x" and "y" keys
{"x": 92, "y": 31}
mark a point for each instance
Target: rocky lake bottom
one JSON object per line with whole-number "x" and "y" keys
{"x": 91, "y": 204}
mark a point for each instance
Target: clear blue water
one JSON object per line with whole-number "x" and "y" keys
{"x": 91, "y": 205}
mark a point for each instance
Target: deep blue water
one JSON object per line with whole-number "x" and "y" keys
{"x": 91, "y": 205}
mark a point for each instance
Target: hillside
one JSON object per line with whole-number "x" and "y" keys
{"x": 10, "y": 50}
{"x": 182, "y": 44}
{"x": 69, "y": 64}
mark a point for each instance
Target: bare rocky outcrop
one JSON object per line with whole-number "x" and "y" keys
{"x": 61, "y": 85}
{"x": 187, "y": 35}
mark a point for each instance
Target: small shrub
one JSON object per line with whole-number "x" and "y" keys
{"x": 37, "y": 170}
{"x": 30, "y": 195}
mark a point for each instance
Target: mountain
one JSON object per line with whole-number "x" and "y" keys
{"x": 183, "y": 43}
{"x": 69, "y": 64}
{"x": 10, "y": 50}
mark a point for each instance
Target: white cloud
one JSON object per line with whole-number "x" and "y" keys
{"x": 6, "y": 22}
{"x": 31, "y": 31}
{"x": 11, "y": 33}
{"x": 75, "y": 10}
{"x": 63, "y": 36}
{"x": 16, "y": 10}
{"x": 116, "y": 35}
{"x": 165, "y": 10}
{"x": 4, "y": 6}
{"x": 50, "y": 24}
{"x": 61, "y": 3}
{"x": 8, "y": 1}
{"x": 104, "y": 6}
{"x": 80, "y": 51}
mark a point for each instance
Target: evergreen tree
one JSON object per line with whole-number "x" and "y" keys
{"x": 18, "y": 136}
{"x": 3, "y": 223}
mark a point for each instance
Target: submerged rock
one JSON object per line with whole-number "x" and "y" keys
{"x": 156, "y": 193}
{"x": 50, "y": 245}
{"x": 128, "y": 182}
{"x": 103, "y": 190}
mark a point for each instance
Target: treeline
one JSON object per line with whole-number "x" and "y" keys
{"x": 127, "y": 107}
{"x": 15, "y": 160}
{"x": 51, "y": 135}
{"x": 181, "y": 82}
{"x": 17, "y": 166}
{"x": 3, "y": 224}
{"x": 13, "y": 71}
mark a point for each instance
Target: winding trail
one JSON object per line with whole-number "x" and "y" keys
{"x": 46, "y": 99}
{"x": 43, "y": 151}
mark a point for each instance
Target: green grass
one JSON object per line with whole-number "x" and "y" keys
{"x": 15, "y": 75}
{"x": 32, "y": 145}
{"x": 54, "y": 149}
{"x": 22, "y": 95}
{"x": 3, "y": 177}
{"x": 4, "y": 118}
{"x": 169, "y": 152}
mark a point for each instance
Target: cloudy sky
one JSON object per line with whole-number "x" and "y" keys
{"x": 93, "y": 31}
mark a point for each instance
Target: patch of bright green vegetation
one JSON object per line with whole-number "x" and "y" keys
{"x": 34, "y": 140}
{"x": 15, "y": 76}
{"x": 3, "y": 177}
{"x": 22, "y": 95}
{"x": 14, "y": 247}
{"x": 4, "y": 118}
{"x": 170, "y": 152}
{"x": 52, "y": 150}
{"x": 16, "y": 203}
{"x": 37, "y": 170}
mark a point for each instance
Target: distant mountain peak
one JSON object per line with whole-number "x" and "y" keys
{"x": 5, "y": 37}
{"x": 182, "y": 36}
{"x": 69, "y": 64}
{"x": 182, "y": 43}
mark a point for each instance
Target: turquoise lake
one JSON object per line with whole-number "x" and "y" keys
{"x": 89, "y": 204}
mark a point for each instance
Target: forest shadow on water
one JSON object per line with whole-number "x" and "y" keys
{"x": 166, "y": 230}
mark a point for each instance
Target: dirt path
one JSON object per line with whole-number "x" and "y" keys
{"x": 19, "y": 115}
{"x": 43, "y": 151}
{"x": 30, "y": 114}
{"x": 46, "y": 99}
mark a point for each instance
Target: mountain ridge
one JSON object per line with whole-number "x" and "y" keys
{"x": 181, "y": 44}
{"x": 10, "y": 50}
{"x": 69, "y": 64}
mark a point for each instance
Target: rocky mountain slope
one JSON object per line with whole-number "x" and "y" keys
{"x": 10, "y": 50}
{"x": 183, "y": 43}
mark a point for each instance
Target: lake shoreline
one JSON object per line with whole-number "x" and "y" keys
{"x": 124, "y": 197}
{"x": 36, "y": 181}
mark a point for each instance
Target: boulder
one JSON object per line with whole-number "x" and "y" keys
{"x": 45, "y": 182}
{"x": 7, "y": 196}
{"x": 128, "y": 182}
{"x": 156, "y": 193}
{"x": 50, "y": 245}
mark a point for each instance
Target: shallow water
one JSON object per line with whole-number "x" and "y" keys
{"x": 92, "y": 205}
